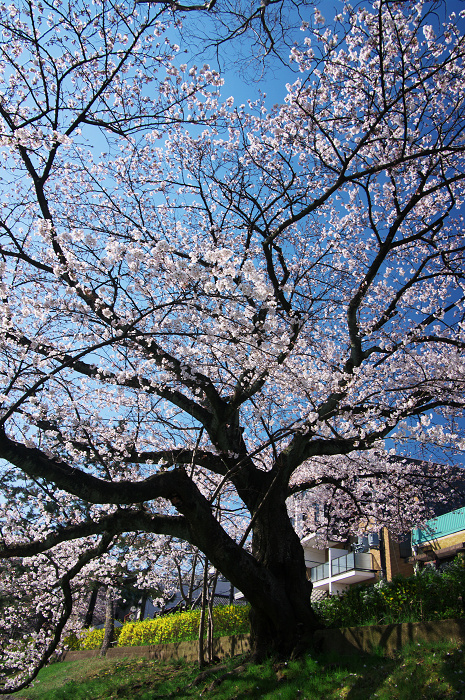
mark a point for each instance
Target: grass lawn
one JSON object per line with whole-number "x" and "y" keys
{"x": 429, "y": 671}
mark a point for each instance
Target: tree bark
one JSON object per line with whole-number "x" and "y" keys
{"x": 109, "y": 635}
{"x": 91, "y": 606}
{"x": 274, "y": 582}
{"x": 274, "y": 579}
{"x": 211, "y": 603}
{"x": 201, "y": 656}
{"x": 143, "y": 605}
{"x": 284, "y": 621}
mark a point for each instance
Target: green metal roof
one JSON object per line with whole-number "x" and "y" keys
{"x": 441, "y": 526}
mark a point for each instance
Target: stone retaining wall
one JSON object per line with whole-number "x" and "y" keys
{"x": 351, "y": 640}
{"x": 222, "y": 646}
{"x": 390, "y": 638}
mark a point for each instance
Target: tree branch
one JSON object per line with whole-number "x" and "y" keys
{"x": 116, "y": 524}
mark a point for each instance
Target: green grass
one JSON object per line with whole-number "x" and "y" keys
{"x": 429, "y": 671}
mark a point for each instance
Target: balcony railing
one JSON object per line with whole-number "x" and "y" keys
{"x": 348, "y": 562}
{"x": 317, "y": 573}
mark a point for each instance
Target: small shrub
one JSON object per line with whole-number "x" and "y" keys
{"x": 72, "y": 641}
{"x": 428, "y": 595}
{"x": 400, "y": 596}
{"x": 231, "y": 619}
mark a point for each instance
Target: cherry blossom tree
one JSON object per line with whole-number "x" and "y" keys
{"x": 240, "y": 33}
{"x": 208, "y": 307}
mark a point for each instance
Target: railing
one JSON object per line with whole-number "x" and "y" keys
{"x": 317, "y": 573}
{"x": 348, "y": 562}
{"x": 441, "y": 526}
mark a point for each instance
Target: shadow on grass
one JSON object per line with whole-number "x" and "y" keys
{"x": 427, "y": 671}
{"x": 452, "y": 668}
{"x": 421, "y": 672}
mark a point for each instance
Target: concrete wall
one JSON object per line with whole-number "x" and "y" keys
{"x": 390, "y": 638}
{"x": 350, "y": 640}
{"x": 222, "y": 646}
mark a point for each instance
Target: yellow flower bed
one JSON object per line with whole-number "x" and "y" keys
{"x": 184, "y": 626}
{"x": 93, "y": 639}
{"x": 175, "y": 627}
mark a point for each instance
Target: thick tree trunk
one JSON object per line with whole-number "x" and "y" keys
{"x": 282, "y": 620}
{"x": 273, "y": 577}
{"x": 273, "y": 580}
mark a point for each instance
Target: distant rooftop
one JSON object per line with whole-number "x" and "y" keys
{"x": 446, "y": 524}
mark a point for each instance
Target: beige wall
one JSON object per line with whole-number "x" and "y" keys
{"x": 447, "y": 541}
{"x": 376, "y": 555}
{"x": 395, "y": 564}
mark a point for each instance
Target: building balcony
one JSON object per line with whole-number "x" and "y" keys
{"x": 342, "y": 570}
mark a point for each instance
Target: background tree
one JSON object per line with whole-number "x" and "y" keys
{"x": 109, "y": 634}
{"x": 203, "y": 300}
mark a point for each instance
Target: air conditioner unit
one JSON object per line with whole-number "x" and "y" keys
{"x": 362, "y": 544}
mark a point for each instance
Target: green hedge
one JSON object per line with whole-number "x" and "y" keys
{"x": 174, "y": 627}
{"x": 428, "y": 595}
